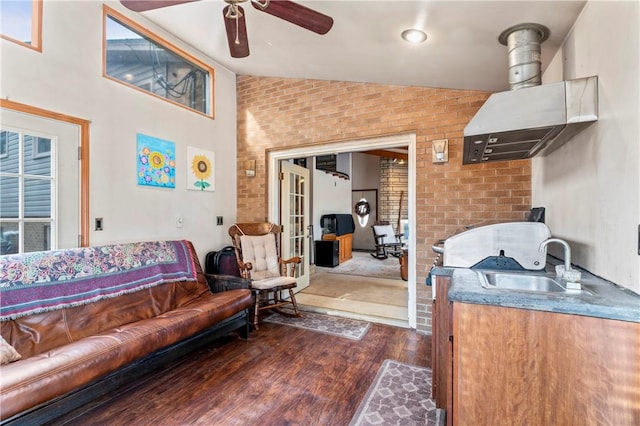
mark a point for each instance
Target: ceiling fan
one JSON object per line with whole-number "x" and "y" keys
{"x": 234, "y": 21}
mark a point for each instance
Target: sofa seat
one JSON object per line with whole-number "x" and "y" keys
{"x": 65, "y": 349}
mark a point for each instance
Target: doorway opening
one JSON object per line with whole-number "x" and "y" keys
{"x": 373, "y": 287}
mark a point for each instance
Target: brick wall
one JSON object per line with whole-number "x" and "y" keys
{"x": 394, "y": 181}
{"x": 285, "y": 113}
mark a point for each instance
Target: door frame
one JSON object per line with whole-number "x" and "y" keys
{"x": 346, "y": 146}
{"x": 83, "y": 126}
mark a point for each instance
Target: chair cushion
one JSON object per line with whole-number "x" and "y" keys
{"x": 268, "y": 283}
{"x": 261, "y": 252}
{"x": 388, "y": 232}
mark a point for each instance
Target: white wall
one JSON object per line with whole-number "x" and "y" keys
{"x": 591, "y": 185}
{"x": 330, "y": 195}
{"x": 67, "y": 78}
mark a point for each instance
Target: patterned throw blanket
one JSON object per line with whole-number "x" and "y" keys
{"x": 43, "y": 281}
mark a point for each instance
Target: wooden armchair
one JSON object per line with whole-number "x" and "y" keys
{"x": 257, "y": 252}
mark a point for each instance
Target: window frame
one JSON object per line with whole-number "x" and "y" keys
{"x": 36, "y": 28}
{"x": 108, "y": 12}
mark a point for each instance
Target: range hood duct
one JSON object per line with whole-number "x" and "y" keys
{"x": 530, "y": 119}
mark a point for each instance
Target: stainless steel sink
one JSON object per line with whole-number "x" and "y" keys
{"x": 524, "y": 282}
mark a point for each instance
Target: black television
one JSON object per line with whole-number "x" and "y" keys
{"x": 338, "y": 224}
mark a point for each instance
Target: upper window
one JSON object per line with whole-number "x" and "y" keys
{"x": 20, "y": 22}
{"x": 138, "y": 58}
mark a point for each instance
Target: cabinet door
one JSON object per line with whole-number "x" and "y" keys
{"x": 516, "y": 366}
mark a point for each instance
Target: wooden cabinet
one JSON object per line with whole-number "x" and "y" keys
{"x": 497, "y": 365}
{"x": 345, "y": 242}
{"x": 540, "y": 368}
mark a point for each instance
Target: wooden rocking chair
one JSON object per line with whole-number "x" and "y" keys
{"x": 257, "y": 252}
{"x": 386, "y": 241}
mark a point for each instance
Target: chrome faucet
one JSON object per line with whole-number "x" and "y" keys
{"x": 567, "y": 250}
{"x": 566, "y": 273}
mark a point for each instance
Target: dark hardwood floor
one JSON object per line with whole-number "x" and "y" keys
{"x": 281, "y": 375}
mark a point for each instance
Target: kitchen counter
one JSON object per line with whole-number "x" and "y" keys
{"x": 603, "y": 299}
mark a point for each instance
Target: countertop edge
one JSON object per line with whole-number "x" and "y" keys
{"x": 466, "y": 288}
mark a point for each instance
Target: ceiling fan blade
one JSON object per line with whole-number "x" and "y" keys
{"x": 144, "y": 5}
{"x": 297, "y": 14}
{"x": 236, "y": 33}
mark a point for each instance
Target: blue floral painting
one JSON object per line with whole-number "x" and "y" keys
{"x": 156, "y": 162}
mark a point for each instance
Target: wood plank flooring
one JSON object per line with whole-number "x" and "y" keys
{"x": 281, "y": 375}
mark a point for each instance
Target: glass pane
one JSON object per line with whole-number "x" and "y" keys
{"x": 143, "y": 63}
{"x": 9, "y": 238}
{"x": 37, "y": 156}
{"x": 37, "y": 198}
{"x": 16, "y": 19}
{"x": 9, "y": 197}
{"x": 9, "y": 152}
{"x": 37, "y": 236}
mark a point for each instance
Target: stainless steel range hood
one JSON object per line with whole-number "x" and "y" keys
{"x": 530, "y": 119}
{"x": 526, "y": 122}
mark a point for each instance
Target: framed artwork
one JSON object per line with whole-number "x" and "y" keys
{"x": 200, "y": 166}
{"x": 156, "y": 165}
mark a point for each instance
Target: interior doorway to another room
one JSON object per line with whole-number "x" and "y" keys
{"x": 361, "y": 286}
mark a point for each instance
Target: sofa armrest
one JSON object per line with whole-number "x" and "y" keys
{"x": 219, "y": 283}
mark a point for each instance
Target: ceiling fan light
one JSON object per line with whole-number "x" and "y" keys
{"x": 414, "y": 36}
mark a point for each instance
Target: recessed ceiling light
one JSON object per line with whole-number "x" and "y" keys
{"x": 414, "y": 36}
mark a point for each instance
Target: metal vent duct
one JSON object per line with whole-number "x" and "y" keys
{"x": 523, "y": 50}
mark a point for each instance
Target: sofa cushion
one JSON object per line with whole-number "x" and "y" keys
{"x": 49, "y": 280}
{"x": 39, "y": 333}
{"x": 7, "y": 352}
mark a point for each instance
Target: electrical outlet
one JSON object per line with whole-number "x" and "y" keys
{"x": 179, "y": 221}
{"x": 99, "y": 224}
{"x": 218, "y": 220}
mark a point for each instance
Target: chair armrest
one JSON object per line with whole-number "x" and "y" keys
{"x": 295, "y": 259}
{"x": 285, "y": 270}
{"x": 219, "y": 283}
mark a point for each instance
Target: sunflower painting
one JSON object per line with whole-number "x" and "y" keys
{"x": 201, "y": 174}
{"x": 156, "y": 164}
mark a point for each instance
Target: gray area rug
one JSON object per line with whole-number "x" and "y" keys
{"x": 399, "y": 395}
{"x": 364, "y": 264}
{"x": 336, "y": 326}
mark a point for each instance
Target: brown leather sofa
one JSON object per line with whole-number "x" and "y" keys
{"x": 72, "y": 355}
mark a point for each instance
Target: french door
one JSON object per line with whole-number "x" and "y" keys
{"x": 294, "y": 196}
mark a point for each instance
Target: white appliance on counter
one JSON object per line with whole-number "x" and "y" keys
{"x": 500, "y": 246}
{"x": 519, "y": 241}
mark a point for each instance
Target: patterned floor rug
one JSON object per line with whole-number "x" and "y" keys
{"x": 337, "y": 326}
{"x": 399, "y": 395}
